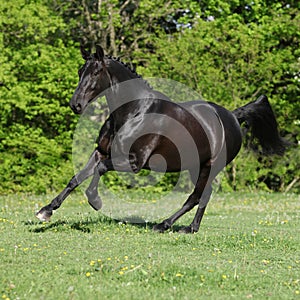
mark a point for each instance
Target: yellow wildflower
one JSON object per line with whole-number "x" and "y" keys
{"x": 92, "y": 263}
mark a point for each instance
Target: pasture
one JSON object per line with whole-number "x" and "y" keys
{"x": 248, "y": 247}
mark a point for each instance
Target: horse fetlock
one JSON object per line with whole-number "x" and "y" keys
{"x": 188, "y": 229}
{"x": 161, "y": 227}
{"x": 44, "y": 215}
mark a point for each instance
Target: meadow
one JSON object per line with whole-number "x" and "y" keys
{"x": 248, "y": 247}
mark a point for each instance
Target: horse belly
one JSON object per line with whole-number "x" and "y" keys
{"x": 177, "y": 155}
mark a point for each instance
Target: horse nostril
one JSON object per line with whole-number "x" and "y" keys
{"x": 78, "y": 107}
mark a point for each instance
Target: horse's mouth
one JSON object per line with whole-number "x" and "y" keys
{"x": 77, "y": 109}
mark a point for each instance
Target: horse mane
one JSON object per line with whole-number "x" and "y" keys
{"x": 118, "y": 59}
{"x": 133, "y": 71}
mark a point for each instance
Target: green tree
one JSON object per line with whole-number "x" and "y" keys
{"x": 36, "y": 123}
{"x": 229, "y": 52}
{"x": 231, "y": 61}
{"x": 121, "y": 27}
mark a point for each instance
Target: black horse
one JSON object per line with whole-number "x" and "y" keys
{"x": 146, "y": 130}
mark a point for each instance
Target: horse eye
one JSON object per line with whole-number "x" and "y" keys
{"x": 79, "y": 72}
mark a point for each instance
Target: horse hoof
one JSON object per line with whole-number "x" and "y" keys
{"x": 187, "y": 230}
{"x": 160, "y": 227}
{"x": 95, "y": 203}
{"x": 43, "y": 216}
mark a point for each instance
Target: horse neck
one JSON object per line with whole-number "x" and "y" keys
{"x": 126, "y": 86}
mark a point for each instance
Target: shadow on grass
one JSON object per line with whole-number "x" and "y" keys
{"x": 82, "y": 225}
{"x": 87, "y": 225}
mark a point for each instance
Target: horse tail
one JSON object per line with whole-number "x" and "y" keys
{"x": 260, "y": 119}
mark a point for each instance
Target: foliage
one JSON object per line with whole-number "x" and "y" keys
{"x": 229, "y": 52}
{"x": 36, "y": 123}
{"x": 231, "y": 62}
{"x": 121, "y": 27}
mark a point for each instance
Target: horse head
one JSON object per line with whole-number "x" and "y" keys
{"x": 94, "y": 79}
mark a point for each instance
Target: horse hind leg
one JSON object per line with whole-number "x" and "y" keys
{"x": 194, "y": 226}
{"x": 202, "y": 188}
{"x": 167, "y": 223}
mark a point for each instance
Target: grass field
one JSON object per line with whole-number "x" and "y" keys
{"x": 248, "y": 247}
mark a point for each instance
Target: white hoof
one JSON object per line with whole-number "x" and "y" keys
{"x": 42, "y": 217}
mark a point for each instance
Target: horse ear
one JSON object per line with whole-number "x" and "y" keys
{"x": 99, "y": 52}
{"x": 84, "y": 53}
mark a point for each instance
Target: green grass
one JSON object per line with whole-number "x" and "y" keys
{"x": 248, "y": 247}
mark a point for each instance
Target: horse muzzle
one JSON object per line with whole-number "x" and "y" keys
{"x": 76, "y": 105}
{"x": 77, "y": 108}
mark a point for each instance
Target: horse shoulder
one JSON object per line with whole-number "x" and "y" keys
{"x": 105, "y": 137}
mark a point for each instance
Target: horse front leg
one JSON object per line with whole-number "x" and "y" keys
{"x": 120, "y": 164}
{"x": 46, "y": 212}
{"x": 92, "y": 191}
